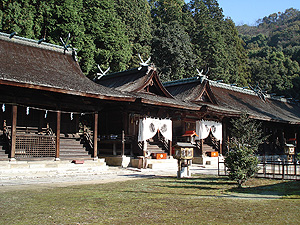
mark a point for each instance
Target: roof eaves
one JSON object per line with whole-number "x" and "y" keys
{"x": 70, "y": 91}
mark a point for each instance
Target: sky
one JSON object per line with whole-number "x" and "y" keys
{"x": 249, "y": 11}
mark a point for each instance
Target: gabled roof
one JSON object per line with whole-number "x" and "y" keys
{"x": 270, "y": 109}
{"x": 231, "y": 100}
{"x": 138, "y": 80}
{"x": 25, "y": 63}
{"x": 192, "y": 89}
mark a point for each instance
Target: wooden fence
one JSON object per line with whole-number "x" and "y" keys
{"x": 284, "y": 169}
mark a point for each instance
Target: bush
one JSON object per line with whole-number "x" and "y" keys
{"x": 240, "y": 160}
{"x": 241, "y": 163}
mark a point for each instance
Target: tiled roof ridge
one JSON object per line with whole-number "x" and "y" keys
{"x": 34, "y": 43}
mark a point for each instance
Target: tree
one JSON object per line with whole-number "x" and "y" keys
{"x": 17, "y": 16}
{"x": 240, "y": 160}
{"x": 107, "y": 36}
{"x": 136, "y": 16}
{"x": 163, "y": 11}
{"x": 216, "y": 43}
{"x": 172, "y": 52}
{"x": 273, "y": 70}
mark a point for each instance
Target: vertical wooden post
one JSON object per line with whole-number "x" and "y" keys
{"x": 123, "y": 142}
{"x": 283, "y": 164}
{"x": 58, "y": 121}
{"x": 95, "y": 155}
{"x": 218, "y": 166}
{"x": 221, "y": 150}
{"x": 41, "y": 120}
{"x": 170, "y": 148}
{"x": 13, "y": 132}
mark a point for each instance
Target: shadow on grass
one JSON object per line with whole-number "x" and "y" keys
{"x": 290, "y": 189}
{"x": 257, "y": 188}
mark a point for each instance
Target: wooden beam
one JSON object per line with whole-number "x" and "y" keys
{"x": 13, "y": 131}
{"x": 95, "y": 153}
{"x": 57, "y": 146}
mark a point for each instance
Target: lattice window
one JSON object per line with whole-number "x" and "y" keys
{"x": 32, "y": 146}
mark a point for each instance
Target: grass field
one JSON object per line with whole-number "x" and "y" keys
{"x": 198, "y": 200}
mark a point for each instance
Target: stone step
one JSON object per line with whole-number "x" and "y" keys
{"x": 19, "y": 169}
{"x": 71, "y": 158}
{"x": 72, "y": 147}
{"x": 73, "y": 154}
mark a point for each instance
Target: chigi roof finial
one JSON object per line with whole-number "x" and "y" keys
{"x": 142, "y": 63}
{"x": 65, "y": 43}
{"x": 201, "y": 75}
{"x": 101, "y": 74}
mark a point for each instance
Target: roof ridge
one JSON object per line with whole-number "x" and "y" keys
{"x": 33, "y": 43}
{"x": 181, "y": 81}
{"x": 226, "y": 86}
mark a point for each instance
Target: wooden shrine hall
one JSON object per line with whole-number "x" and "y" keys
{"x": 44, "y": 98}
{"x": 221, "y": 102}
{"x": 51, "y": 110}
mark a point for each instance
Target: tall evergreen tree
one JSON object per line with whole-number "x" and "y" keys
{"x": 164, "y": 12}
{"x": 17, "y": 16}
{"x": 216, "y": 42}
{"x": 137, "y": 18}
{"x": 172, "y": 52}
{"x": 110, "y": 45}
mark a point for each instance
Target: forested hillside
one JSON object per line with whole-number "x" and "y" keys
{"x": 273, "y": 48}
{"x": 179, "y": 37}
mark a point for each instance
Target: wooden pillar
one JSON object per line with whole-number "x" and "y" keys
{"x": 41, "y": 120}
{"x": 170, "y": 148}
{"x": 13, "y": 132}
{"x": 58, "y": 121}
{"x": 221, "y": 150}
{"x": 125, "y": 121}
{"x": 123, "y": 142}
{"x": 95, "y": 154}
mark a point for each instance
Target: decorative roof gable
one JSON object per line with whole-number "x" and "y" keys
{"x": 192, "y": 89}
{"x": 139, "y": 80}
{"x": 205, "y": 94}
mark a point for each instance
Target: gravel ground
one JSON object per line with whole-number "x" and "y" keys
{"x": 113, "y": 174}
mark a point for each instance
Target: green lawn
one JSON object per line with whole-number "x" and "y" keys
{"x": 198, "y": 200}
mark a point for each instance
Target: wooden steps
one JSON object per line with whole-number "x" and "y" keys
{"x": 205, "y": 148}
{"x": 155, "y": 148}
{"x": 72, "y": 149}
